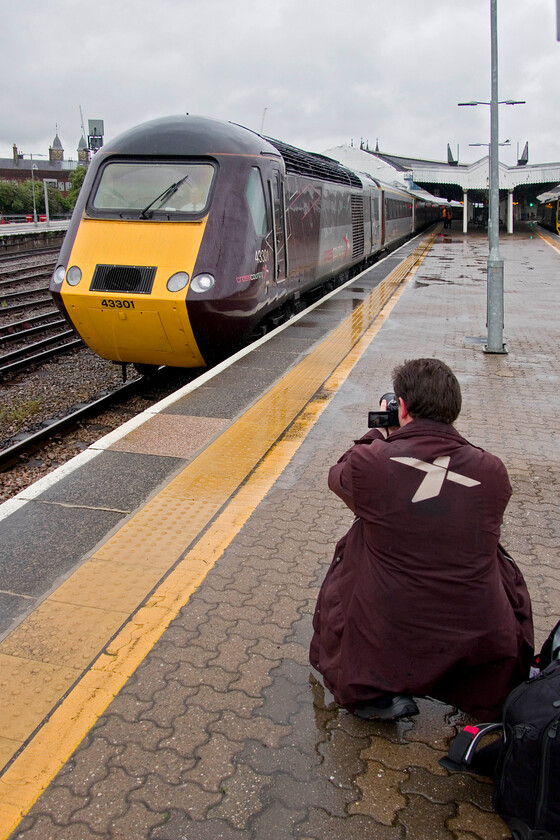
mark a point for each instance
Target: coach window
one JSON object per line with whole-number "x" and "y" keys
{"x": 255, "y": 199}
{"x": 374, "y": 200}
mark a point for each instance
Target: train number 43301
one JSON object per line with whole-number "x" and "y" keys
{"x": 117, "y": 304}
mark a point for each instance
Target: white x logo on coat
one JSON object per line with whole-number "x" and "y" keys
{"x": 436, "y": 474}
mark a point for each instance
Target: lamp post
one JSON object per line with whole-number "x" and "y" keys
{"x": 495, "y": 282}
{"x": 495, "y": 285}
{"x": 34, "y": 167}
{"x": 45, "y": 190}
{"x": 46, "y": 183}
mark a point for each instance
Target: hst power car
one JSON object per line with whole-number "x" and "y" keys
{"x": 190, "y": 234}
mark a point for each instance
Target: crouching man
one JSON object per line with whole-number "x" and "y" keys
{"x": 420, "y": 598}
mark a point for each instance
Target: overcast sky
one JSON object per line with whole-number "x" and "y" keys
{"x": 328, "y": 72}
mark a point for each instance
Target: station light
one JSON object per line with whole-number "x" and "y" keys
{"x": 501, "y": 102}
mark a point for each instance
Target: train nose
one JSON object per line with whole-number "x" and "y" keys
{"x": 133, "y": 312}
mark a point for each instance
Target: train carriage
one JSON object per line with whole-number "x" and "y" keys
{"x": 548, "y": 215}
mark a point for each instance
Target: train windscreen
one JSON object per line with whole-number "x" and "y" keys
{"x": 153, "y": 189}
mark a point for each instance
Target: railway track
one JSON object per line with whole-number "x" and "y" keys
{"x": 33, "y": 256}
{"x": 35, "y": 440}
{"x": 92, "y": 418}
{"x": 120, "y": 403}
{"x": 31, "y": 329}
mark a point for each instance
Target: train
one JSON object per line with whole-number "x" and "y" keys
{"x": 548, "y": 215}
{"x": 192, "y": 235}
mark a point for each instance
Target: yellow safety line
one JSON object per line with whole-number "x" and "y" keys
{"x": 548, "y": 241}
{"x": 309, "y": 386}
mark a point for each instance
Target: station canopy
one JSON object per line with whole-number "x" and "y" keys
{"x": 450, "y": 180}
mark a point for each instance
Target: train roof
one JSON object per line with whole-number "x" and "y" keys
{"x": 184, "y": 134}
{"x": 315, "y": 166}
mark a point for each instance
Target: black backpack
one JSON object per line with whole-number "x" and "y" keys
{"x": 525, "y": 761}
{"x": 527, "y": 775}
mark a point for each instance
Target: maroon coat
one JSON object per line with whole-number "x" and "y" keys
{"x": 419, "y": 598}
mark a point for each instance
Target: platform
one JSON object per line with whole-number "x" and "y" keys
{"x": 27, "y": 236}
{"x": 157, "y": 591}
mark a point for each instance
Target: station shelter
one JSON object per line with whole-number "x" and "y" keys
{"x": 520, "y": 185}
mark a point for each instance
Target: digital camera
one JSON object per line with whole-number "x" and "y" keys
{"x": 385, "y": 419}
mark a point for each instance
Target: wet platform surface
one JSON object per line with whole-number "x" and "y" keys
{"x": 183, "y": 654}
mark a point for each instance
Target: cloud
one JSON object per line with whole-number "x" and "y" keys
{"x": 326, "y": 71}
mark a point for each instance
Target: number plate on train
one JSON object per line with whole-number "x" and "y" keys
{"x": 117, "y": 304}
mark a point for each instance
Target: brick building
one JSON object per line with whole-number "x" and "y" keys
{"x": 55, "y": 168}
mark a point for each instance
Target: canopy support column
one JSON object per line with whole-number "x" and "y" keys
{"x": 510, "y": 212}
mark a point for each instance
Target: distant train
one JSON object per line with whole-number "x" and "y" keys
{"x": 548, "y": 215}
{"x": 190, "y": 234}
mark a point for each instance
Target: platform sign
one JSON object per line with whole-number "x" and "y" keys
{"x": 96, "y": 128}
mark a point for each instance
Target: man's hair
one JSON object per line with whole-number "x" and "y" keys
{"x": 429, "y": 389}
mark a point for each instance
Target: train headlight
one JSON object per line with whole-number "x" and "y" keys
{"x": 58, "y": 275}
{"x": 177, "y": 281}
{"x": 202, "y": 283}
{"x": 74, "y": 276}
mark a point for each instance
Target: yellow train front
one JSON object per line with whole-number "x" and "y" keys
{"x": 548, "y": 214}
{"x": 189, "y": 233}
{"x": 147, "y": 274}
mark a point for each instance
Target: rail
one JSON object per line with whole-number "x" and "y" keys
{"x": 11, "y": 455}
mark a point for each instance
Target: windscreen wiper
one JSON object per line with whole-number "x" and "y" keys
{"x": 162, "y": 197}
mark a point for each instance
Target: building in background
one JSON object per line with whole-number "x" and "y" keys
{"x": 52, "y": 167}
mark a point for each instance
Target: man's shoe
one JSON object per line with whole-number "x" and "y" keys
{"x": 387, "y": 707}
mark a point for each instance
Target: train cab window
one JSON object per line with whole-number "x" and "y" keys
{"x": 256, "y": 201}
{"x": 153, "y": 189}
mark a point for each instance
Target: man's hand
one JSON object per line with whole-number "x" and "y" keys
{"x": 383, "y": 407}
